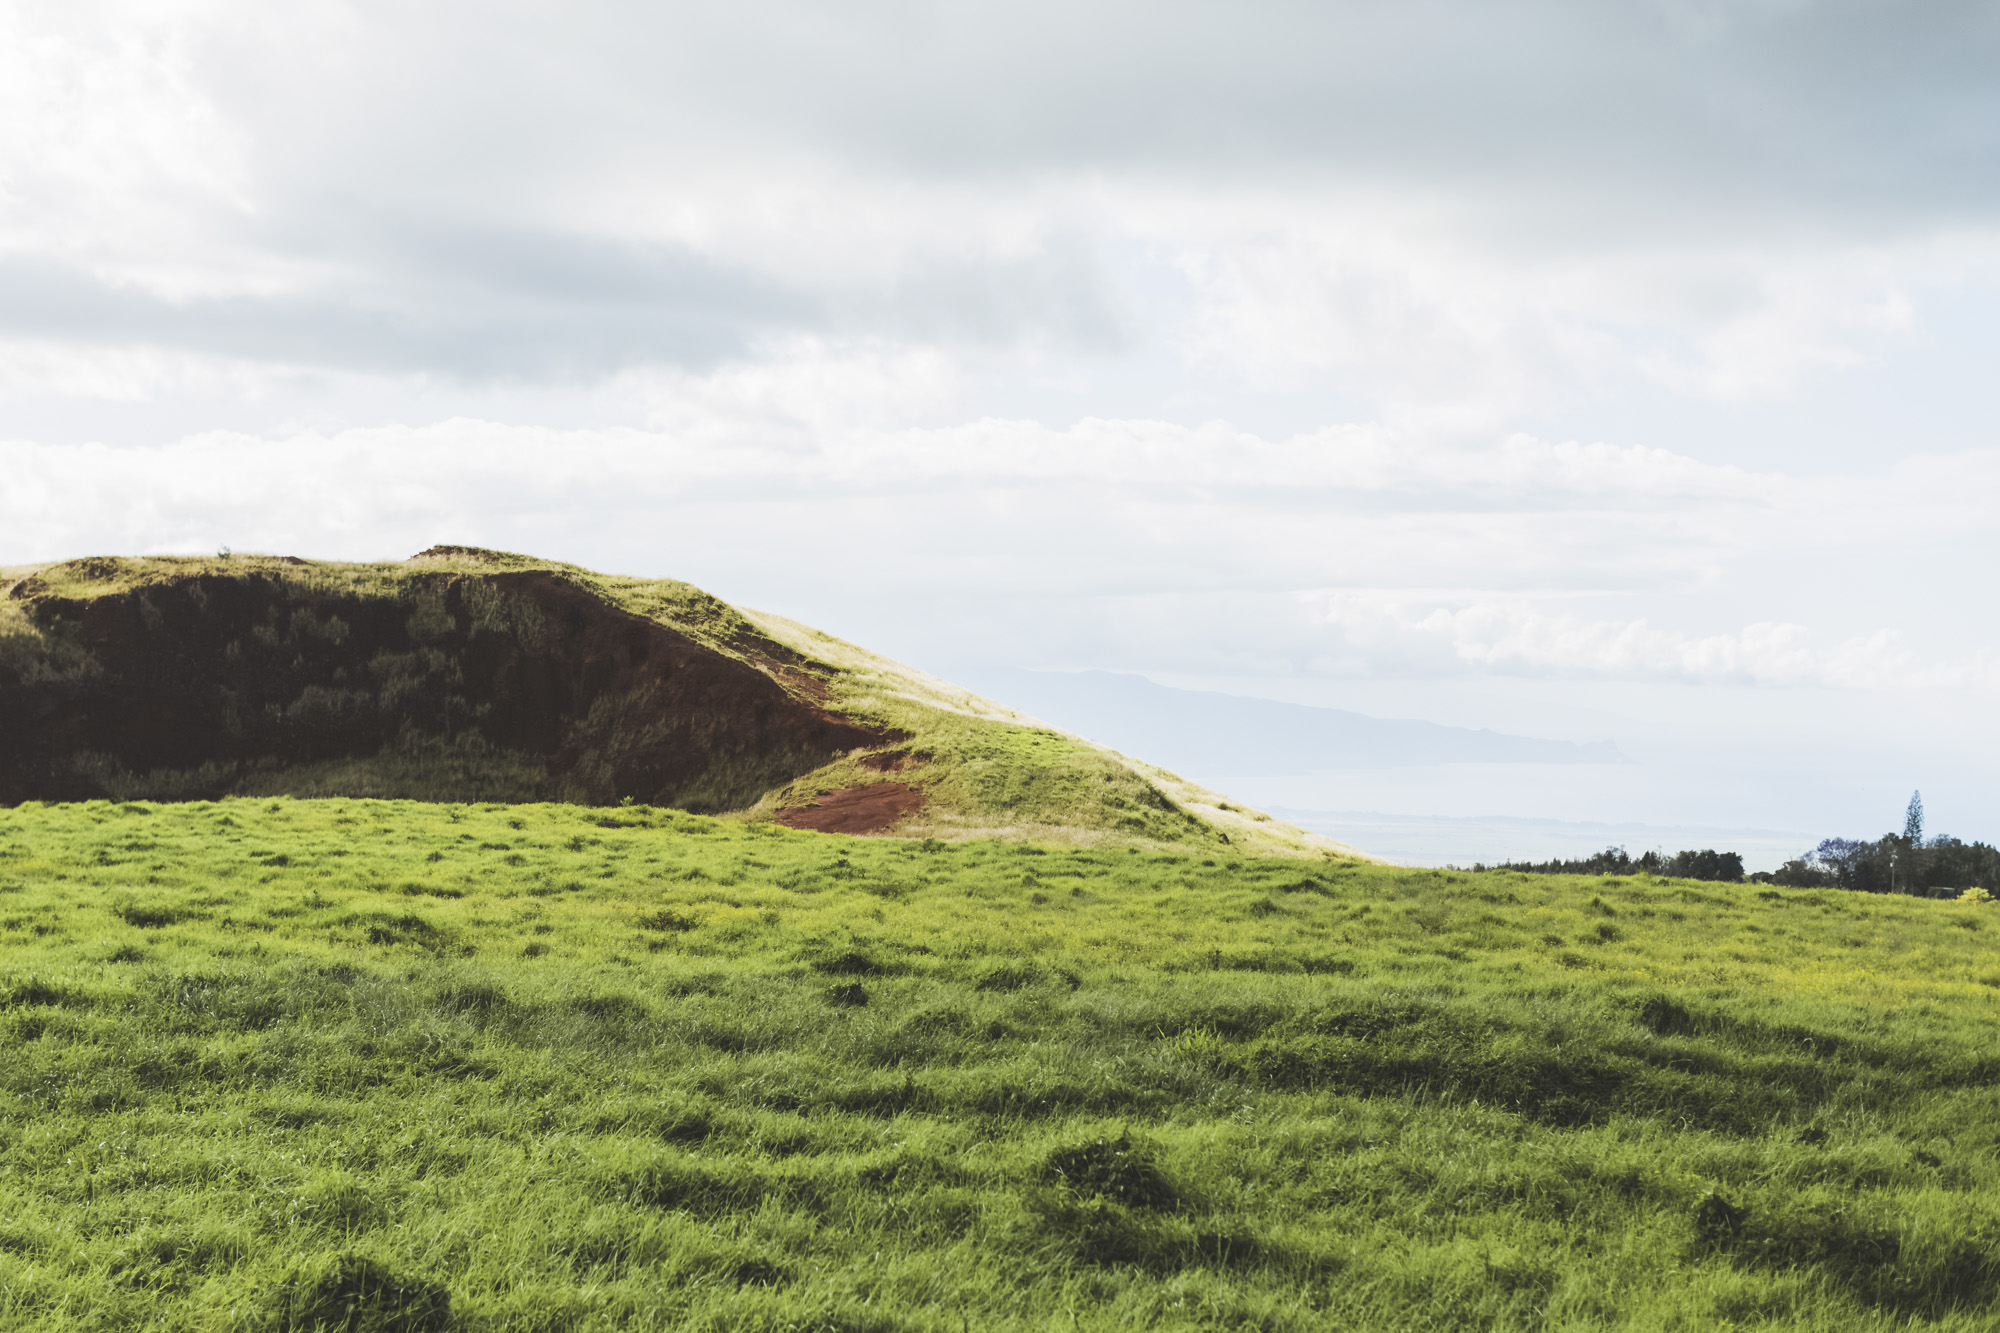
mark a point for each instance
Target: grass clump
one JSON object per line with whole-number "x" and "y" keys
{"x": 1118, "y": 1169}
{"x": 359, "y": 1295}
{"x": 376, "y": 1090}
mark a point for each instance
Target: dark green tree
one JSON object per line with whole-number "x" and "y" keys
{"x": 1910, "y": 852}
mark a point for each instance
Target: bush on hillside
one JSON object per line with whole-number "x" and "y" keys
{"x": 1723, "y": 867}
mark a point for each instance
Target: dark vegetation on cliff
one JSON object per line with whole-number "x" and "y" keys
{"x": 522, "y": 684}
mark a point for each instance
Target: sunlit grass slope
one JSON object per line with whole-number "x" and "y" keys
{"x": 989, "y": 771}
{"x": 274, "y": 1064}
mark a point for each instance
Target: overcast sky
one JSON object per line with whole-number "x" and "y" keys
{"x": 1591, "y": 370}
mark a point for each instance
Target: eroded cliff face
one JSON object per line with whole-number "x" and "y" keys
{"x": 511, "y": 685}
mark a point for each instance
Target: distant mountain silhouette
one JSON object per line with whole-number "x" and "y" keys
{"x": 1199, "y": 732}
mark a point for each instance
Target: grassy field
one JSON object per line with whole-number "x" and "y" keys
{"x": 295, "y": 1064}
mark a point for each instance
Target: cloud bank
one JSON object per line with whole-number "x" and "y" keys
{"x": 1351, "y": 551}
{"x": 1451, "y": 208}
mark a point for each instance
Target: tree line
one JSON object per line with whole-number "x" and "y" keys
{"x": 1906, "y": 862}
{"x": 1705, "y": 864}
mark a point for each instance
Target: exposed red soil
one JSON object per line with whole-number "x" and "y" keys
{"x": 794, "y": 678}
{"x": 887, "y": 761}
{"x": 865, "y": 809}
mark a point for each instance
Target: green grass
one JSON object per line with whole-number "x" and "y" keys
{"x": 269, "y": 1064}
{"x": 988, "y": 771}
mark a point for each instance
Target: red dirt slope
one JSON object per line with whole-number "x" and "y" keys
{"x": 866, "y": 809}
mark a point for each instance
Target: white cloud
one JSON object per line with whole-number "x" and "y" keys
{"x": 1431, "y": 311}
{"x": 112, "y": 154}
{"x": 1512, "y": 637}
{"x": 1359, "y": 551}
{"x": 803, "y": 388}
{"x": 45, "y": 367}
{"x": 1548, "y": 202}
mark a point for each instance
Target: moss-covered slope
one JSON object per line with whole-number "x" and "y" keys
{"x": 465, "y": 674}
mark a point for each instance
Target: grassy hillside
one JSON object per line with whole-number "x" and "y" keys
{"x": 989, "y": 771}
{"x": 419, "y": 679}
{"x": 272, "y": 1064}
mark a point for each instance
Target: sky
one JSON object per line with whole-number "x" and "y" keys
{"x": 1604, "y": 373}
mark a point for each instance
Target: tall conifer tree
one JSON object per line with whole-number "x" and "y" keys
{"x": 1908, "y": 870}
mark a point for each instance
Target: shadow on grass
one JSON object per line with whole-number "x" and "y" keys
{"x": 1653, "y": 1057}
{"x": 359, "y": 1295}
{"x": 1859, "y": 1254}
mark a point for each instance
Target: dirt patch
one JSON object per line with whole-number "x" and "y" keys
{"x": 866, "y": 809}
{"x": 796, "y": 679}
{"x": 887, "y": 761}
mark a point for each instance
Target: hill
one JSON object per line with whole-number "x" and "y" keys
{"x": 289, "y": 1065}
{"x": 473, "y": 675}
